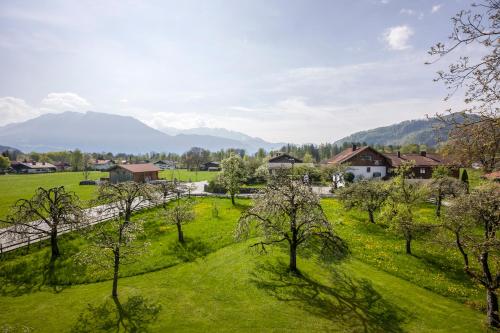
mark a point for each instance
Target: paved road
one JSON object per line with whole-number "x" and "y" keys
{"x": 10, "y": 241}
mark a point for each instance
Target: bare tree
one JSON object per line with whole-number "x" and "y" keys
{"x": 165, "y": 189}
{"x": 45, "y": 214}
{"x": 475, "y": 133}
{"x": 402, "y": 200}
{"x": 180, "y": 213}
{"x": 114, "y": 243}
{"x": 124, "y": 197}
{"x": 474, "y": 221}
{"x": 368, "y": 195}
{"x": 443, "y": 186}
{"x": 288, "y": 211}
{"x": 118, "y": 236}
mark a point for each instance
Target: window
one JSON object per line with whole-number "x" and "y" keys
{"x": 422, "y": 171}
{"x": 366, "y": 157}
{"x": 368, "y": 169}
{"x": 377, "y": 175}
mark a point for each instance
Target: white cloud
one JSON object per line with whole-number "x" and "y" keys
{"x": 436, "y": 8}
{"x": 60, "y": 102}
{"x": 15, "y": 110}
{"x": 123, "y": 100}
{"x": 397, "y": 37}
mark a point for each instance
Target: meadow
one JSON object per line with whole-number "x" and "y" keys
{"x": 214, "y": 283}
{"x": 15, "y": 187}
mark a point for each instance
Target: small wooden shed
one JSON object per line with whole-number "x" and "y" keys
{"x": 140, "y": 173}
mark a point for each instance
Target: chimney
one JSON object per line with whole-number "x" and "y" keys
{"x": 399, "y": 154}
{"x": 354, "y": 147}
{"x": 423, "y": 153}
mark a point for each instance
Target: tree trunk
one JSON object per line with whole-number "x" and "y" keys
{"x": 232, "y": 198}
{"x": 370, "y": 214}
{"x": 492, "y": 309}
{"x": 114, "y": 293}
{"x": 54, "y": 246}
{"x": 180, "y": 233}
{"x": 408, "y": 244}
{"x": 293, "y": 257}
{"x": 438, "y": 206}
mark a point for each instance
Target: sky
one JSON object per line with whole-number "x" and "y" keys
{"x": 287, "y": 71}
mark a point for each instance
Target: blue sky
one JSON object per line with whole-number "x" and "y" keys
{"x": 296, "y": 71}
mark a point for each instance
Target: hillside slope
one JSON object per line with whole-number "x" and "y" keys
{"x": 420, "y": 131}
{"x": 214, "y": 284}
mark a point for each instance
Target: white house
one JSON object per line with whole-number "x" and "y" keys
{"x": 363, "y": 163}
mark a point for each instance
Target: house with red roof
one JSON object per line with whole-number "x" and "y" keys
{"x": 140, "y": 173}
{"x": 364, "y": 162}
{"x": 367, "y": 163}
{"x": 423, "y": 163}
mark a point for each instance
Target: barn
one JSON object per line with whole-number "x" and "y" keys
{"x": 140, "y": 173}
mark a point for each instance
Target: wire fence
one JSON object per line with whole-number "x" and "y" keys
{"x": 19, "y": 240}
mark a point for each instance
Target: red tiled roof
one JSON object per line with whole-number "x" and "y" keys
{"x": 492, "y": 175}
{"x": 345, "y": 155}
{"x": 420, "y": 161}
{"x": 145, "y": 167}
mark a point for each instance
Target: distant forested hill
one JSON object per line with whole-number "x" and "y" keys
{"x": 420, "y": 131}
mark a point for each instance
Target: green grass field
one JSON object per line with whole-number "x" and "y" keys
{"x": 14, "y": 187}
{"x": 214, "y": 284}
{"x": 185, "y": 175}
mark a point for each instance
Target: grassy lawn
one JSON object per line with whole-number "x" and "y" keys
{"x": 186, "y": 175}
{"x": 14, "y": 187}
{"x": 213, "y": 283}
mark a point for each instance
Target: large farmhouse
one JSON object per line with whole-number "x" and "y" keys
{"x": 140, "y": 173}
{"x": 423, "y": 163}
{"x": 364, "y": 162}
{"x": 33, "y": 167}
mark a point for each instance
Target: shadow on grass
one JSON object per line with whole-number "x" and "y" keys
{"x": 352, "y": 305}
{"x": 134, "y": 315}
{"x": 190, "y": 250}
{"x": 34, "y": 272}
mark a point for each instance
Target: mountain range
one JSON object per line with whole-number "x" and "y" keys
{"x": 101, "y": 132}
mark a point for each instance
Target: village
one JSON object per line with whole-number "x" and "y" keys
{"x": 250, "y": 166}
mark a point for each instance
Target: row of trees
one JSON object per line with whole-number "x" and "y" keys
{"x": 470, "y": 223}
{"x": 116, "y": 242}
